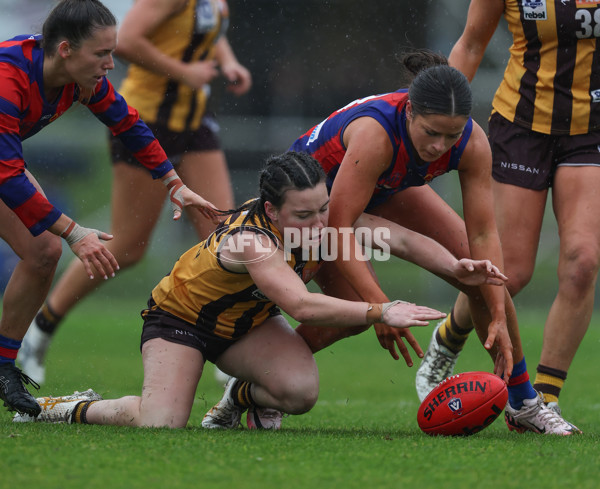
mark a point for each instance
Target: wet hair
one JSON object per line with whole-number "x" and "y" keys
{"x": 287, "y": 171}
{"x": 75, "y": 21}
{"x": 436, "y": 88}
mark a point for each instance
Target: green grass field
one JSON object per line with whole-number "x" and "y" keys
{"x": 362, "y": 432}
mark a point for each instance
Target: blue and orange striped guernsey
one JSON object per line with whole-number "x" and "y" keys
{"x": 324, "y": 142}
{"x": 24, "y": 111}
{"x": 552, "y": 81}
{"x": 200, "y": 291}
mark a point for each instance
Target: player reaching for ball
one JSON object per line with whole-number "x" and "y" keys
{"x": 221, "y": 300}
{"x": 546, "y": 123}
{"x": 379, "y": 153}
{"x": 41, "y": 76}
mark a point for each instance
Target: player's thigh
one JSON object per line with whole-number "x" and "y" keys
{"x": 576, "y": 200}
{"x": 271, "y": 354}
{"x": 17, "y": 236}
{"x": 424, "y": 211}
{"x": 331, "y": 281}
{"x": 519, "y": 216}
{"x": 171, "y": 375}
{"x": 206, "y": 173}
{"x": 137, "y": 200}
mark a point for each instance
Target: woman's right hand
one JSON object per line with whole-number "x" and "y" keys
{"x": 94, "y": 255}
{"x": 199, "y": 73}
{"x": 400, "y": 314}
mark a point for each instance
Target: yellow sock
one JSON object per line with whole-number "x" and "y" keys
{"x": 549, "y": 381}
{"x": 451, "y": 335}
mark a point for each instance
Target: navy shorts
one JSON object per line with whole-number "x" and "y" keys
{"x": 529, "y": 159}
{"x": 175, "y": 144}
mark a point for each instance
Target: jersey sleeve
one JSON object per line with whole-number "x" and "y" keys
{"x": 16, "y": 190}
{"x": 125, "y": 123}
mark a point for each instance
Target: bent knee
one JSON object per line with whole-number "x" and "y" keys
{"x": 517, "y": 281}
{"x": 163, "y": 419}
{"x": 579, "y": 268}
{"x": 298, "y": 397}
{"x": 45, "y": 253}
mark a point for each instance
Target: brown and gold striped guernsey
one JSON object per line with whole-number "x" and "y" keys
{"x": 201, "y": 291}
{"x": 189, "y": 35}
{"x": 552, "y": 85}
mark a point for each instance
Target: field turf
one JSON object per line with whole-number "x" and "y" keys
{"x": 362, "y": 432}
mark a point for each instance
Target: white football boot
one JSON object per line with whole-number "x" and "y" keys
{"x": 58, "y": 409}
{"x": 259, "y": 418}
{"x": 225, "y": 414}
{"x": 535, "y": 416}
{"x": 33, "y": 351}
{"x": 437, "y": 365}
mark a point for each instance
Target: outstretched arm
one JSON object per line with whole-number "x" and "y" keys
{"x": 429, "y": 254}
{"x": 276, "y": 279}
{"x": 369, "y": 153}
{"x": 484, "y": 240}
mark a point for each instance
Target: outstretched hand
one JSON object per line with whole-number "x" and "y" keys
{"x": 182, "y": 196}
{"x": 399, "y": 318}
{"x": 478, "y": 272}
{"x": 93, "y": 254}
{"x": 499, "y": 339}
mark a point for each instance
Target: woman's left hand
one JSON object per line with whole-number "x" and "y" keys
{"x": 478, "y": 272}
{"x": 181, "y": 196}
{"x": 238, "y": 76}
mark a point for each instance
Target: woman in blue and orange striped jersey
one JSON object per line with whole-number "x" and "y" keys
{"x": 41, "y": 76}
{"x": 380, "y": 152}
{"x": 545, "y": 133}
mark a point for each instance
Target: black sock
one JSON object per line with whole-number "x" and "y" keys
{"x": 47, "y": 320}
{"x": 241, "y": 394}
{"x": 451, "y": 335}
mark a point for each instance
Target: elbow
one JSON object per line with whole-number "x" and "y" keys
{"x": 302, "y": 315}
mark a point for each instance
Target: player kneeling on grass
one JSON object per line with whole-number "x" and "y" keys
{"x": 220, "y": 303}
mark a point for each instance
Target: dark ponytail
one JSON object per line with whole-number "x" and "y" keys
{"x": 436, "y": 88}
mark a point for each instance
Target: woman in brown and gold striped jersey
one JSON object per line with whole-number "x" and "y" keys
{"x": 175, "y": 49}
{"x": 221, "y": 301}
{"x": 544, "y": 133}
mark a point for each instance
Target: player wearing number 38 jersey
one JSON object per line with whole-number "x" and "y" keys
{"x": 552, "y": 80}
{"x": 544, "y": 132}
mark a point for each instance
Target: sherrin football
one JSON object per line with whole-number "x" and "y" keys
{"x": 463, "y": 404}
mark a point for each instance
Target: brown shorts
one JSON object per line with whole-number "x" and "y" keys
{"x": 175, "y": 144}
{"x": 161, "y": 324}
{"x": 529, "y": 159}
